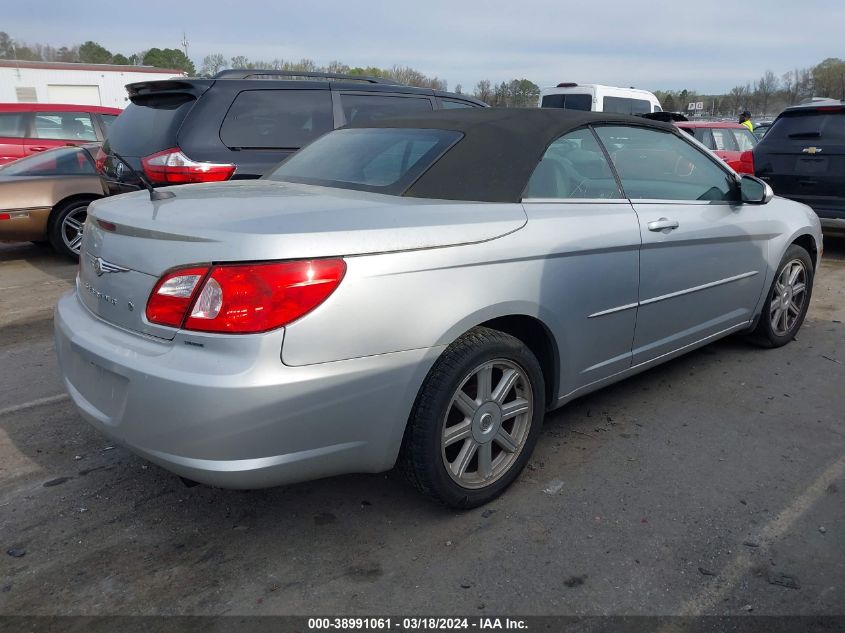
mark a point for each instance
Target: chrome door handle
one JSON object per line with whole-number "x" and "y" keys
{"x": 663, "y": 224}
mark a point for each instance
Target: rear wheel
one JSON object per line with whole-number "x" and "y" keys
{"x": 476, "y": 419}
{"x": 788, "y": 300}
{"x": 66, "y": 225}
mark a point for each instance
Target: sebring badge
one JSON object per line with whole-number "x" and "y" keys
{"x": 102, "y": 267}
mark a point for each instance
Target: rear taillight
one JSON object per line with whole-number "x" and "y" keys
{"x": 172, "y": 167}
{"x": 243, "y": 298}
{"x": 100, "y": 159}
{"x": 172, "y": 296}
{"x": 745, "y": 164}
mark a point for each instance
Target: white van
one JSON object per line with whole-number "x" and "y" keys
{"x": 599, "y": 98}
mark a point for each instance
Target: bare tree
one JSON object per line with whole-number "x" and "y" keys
{"x": 737, "y": 98}
{"x": 483, "y": 91}
{"x": 213, "y": 64}
{"x": 766, "y": 87}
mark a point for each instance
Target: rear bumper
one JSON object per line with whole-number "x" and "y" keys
{"x": 232, "y": 415}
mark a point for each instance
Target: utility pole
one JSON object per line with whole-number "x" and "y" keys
{"x": 185, "y": 43}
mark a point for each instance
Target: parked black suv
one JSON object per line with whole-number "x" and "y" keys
{"x": 242, "y": 122}
{"x": 802, "y": 157}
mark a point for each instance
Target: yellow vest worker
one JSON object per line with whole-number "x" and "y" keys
{"x": 745, "y": 119}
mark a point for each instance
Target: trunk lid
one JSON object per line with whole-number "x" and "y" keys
{"x": 257, "y": 221}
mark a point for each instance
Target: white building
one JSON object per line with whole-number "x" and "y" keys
{"x": 81, "y": 84}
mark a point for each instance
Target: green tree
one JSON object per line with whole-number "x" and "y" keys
{"x": 523, "y": 93}
{"x": 829, "y": 78}
{"x": 169, "y": 58}
{"x": 5, "y": 45}
{"x": 239, "y": 61}
{"x": 121, "y": 60}
{"x": 65, "y": 54}
{"x": 92, "y": 53}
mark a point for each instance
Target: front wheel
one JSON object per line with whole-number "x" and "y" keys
{"x": 476, "y": 419}
{"x": 788, "y": 300}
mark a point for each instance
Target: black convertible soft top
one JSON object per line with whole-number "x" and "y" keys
{"x": 500, "y": 149}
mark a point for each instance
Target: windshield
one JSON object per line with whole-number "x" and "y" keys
{"x": 65, "y": 161}
{"x": 382, "y": 160}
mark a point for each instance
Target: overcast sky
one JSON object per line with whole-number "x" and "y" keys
{"x": 704, "y": 45}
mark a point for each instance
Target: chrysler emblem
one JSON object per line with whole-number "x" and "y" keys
{"x": 102, "y": 267}
{"x": 812, "y": 150}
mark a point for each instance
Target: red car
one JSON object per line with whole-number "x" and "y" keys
{"x": 731, "y": 142}
{"x": 28, "y": 128}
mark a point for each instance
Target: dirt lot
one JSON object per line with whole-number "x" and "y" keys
{"x": 711, "y": 485}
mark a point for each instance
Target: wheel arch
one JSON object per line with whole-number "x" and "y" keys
{"x": 808, "y": 243}
{"x": 539, "y": 339}
{"x": 90, "y": 197}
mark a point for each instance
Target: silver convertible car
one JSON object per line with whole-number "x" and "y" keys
{"x": 419, "y": 291}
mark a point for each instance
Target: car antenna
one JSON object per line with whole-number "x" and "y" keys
{"x": 155, "y": 194}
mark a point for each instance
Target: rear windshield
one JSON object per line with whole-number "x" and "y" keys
{"x": 65, "y": 161}
{"x": 569, "y": 101}
{"x": 142, "y": 130}
{"x": 277, "y": 119}
{"x": 625, "y": 105}
{"x": 381, "y": 160}
{"x": 801, "y": 127}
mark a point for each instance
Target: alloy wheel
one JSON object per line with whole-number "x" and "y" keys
{"x": 788, "y": 297}
{"x": 487, "y": 423}
{"x": 73, "y": 227}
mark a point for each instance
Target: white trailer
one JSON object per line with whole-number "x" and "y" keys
{"x": 80, "y": 84}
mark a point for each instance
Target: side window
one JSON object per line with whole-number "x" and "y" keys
{"x": 723, "y": 140}
{"x": 277, "y": 119}
{"x": 574, "y": 166}
{"x": 64, "y": 126}
{"x": 657, "y": 165}
{"x": 449, "y": 104}
{"x": 12, "y": 125}
{"x": 625, "y": 105}
{"x": 703, "y": 134}
{"x": 745, "y": 140}
{"x": 374, "y": 107}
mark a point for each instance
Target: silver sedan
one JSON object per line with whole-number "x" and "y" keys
{"x": 419, "y": 291}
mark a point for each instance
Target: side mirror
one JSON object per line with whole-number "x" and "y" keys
{"x": 755, "y": 191}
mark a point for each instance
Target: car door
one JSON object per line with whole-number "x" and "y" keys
{"x": 591, "y": 237}
{"x": 703, "y": 258}
{"x": 57, "y": 129}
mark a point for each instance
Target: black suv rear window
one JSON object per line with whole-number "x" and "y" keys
{"x": 277, "y": 119}
{"x": 802, "y": 126}
{"x": 149, "y": 127}
{"x": 382, "y": 160}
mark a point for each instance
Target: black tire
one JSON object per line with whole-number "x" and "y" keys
{"x": 424, "y": 450}
{"x": 56, "y": 225}
{"x": 765, "y": 334}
